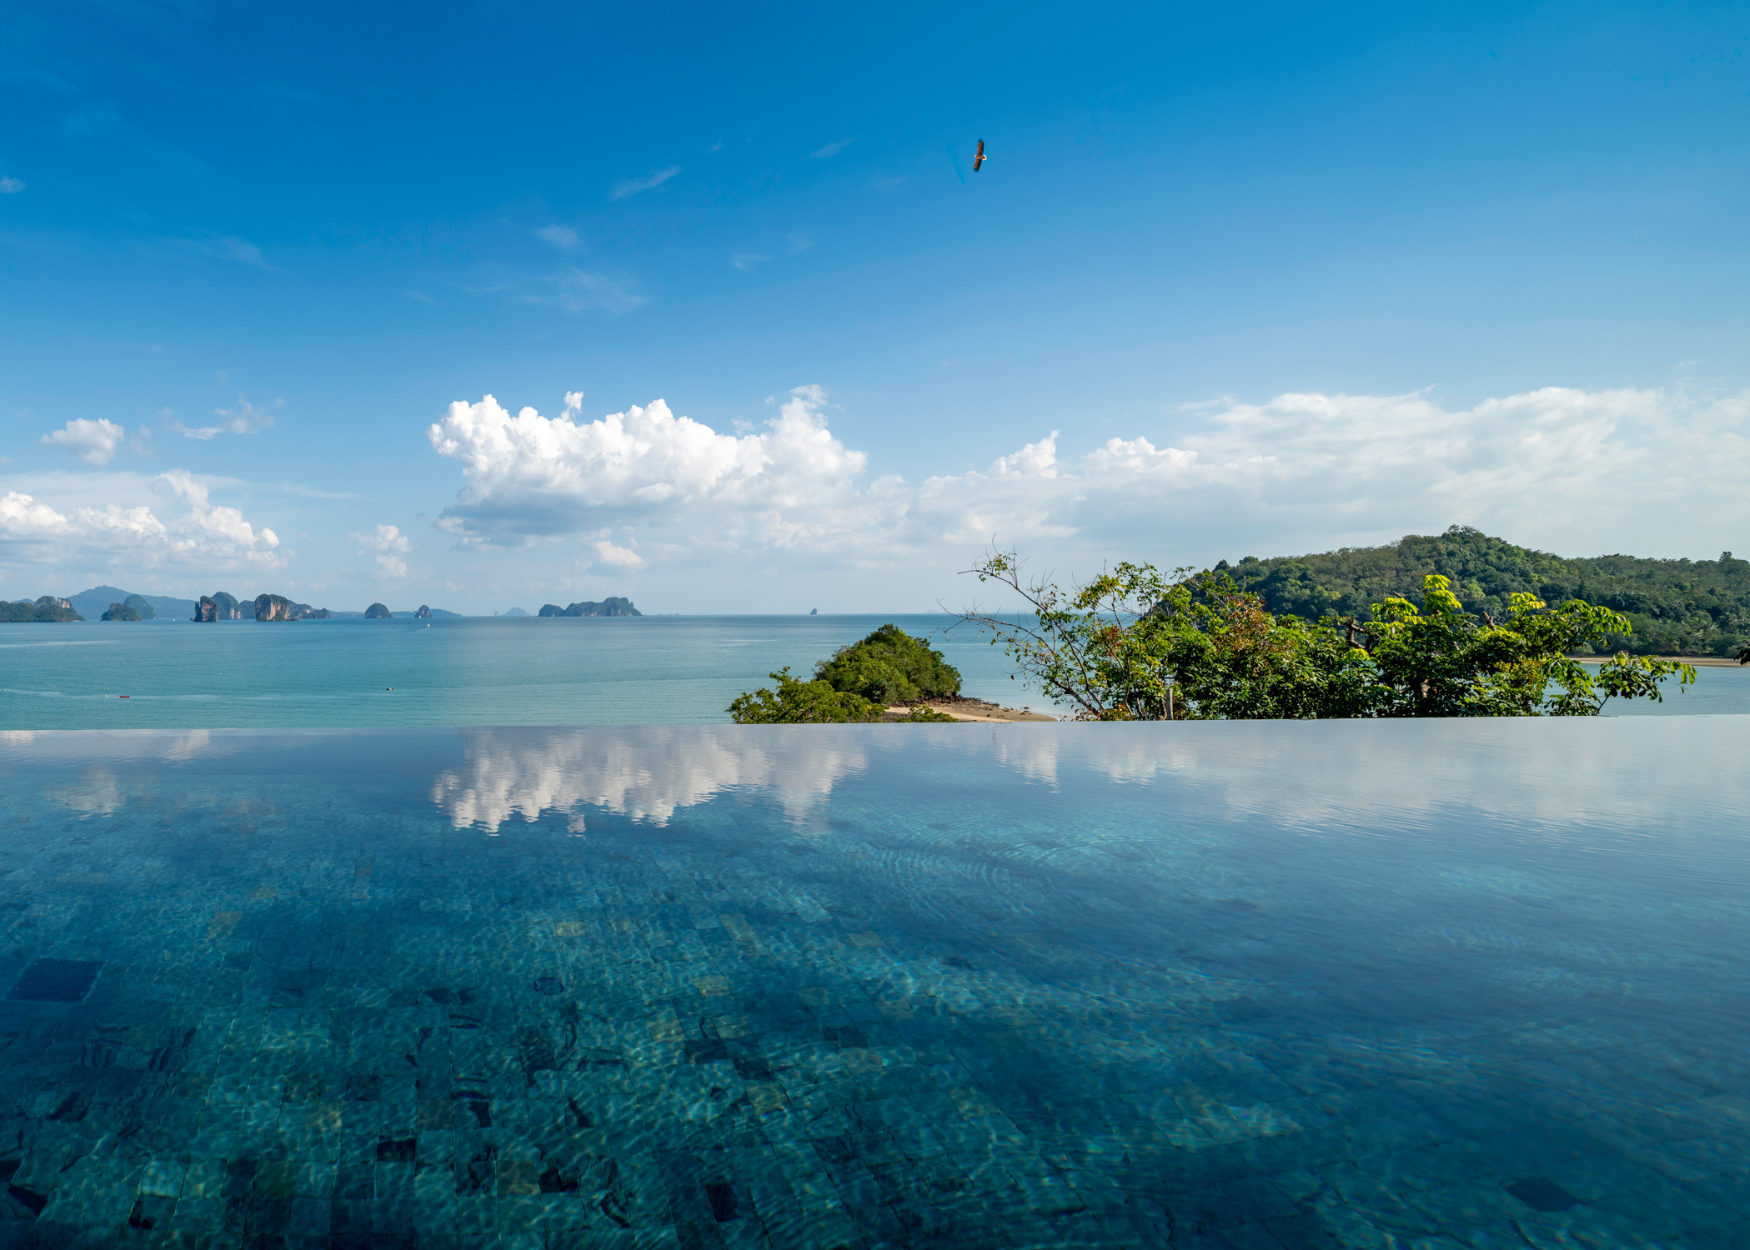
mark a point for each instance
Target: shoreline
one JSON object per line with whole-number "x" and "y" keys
{"x": 1697, "y": 661}
{"x": 976, "y": 710}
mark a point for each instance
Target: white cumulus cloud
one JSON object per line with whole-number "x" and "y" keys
{"x": 531, "y": 475}
{"x": 1580, "y": 471}
{"x": 94, "y": 442}
{"x": 389, "y": 545}
{"x": 192, "y": 532}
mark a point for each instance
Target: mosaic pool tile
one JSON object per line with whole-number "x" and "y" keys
{"x": 1188, "y": 986}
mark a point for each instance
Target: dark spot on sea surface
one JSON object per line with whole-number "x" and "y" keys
{"x": 440, "y": 996}
{"x": 1541, "y": 1194}
{"x": 842, "y": 1037}
{"x": 1241, "y": 1009}
{"x": 578, "y": 1115}
{"x": 1237, "y": 904}
{"x": 364, "y": 1087}
{"x": 8, "y": 1168}
{"x": 722, "y": 1199}
{"x": 549, "y": 985}
{"x": 396, "y": 1150}
{"x": 954, "y": 961}
{"x": 56, "y": 981}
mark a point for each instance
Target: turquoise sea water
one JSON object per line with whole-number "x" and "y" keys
{"x": 472, "y": 671}
{"x": 469, "y": 671}
{"x": 1244, "y": 986}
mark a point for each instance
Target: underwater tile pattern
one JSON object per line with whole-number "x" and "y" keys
{"x": 1248, "y": 986}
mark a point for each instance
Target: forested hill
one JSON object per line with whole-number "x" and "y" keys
{"x": 1678, "y": 607}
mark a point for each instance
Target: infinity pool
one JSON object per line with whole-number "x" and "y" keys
{"x": 1200, "y": 985}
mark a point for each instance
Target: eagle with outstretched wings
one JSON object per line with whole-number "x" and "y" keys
{"x": 978, "y": 157}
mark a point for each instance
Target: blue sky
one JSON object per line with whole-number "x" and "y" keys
{"x": 1278, "y": 278}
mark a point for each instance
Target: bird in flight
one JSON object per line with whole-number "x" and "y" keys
{"x": 978, "y": 159}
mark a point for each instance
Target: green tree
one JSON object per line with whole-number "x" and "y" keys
{"x": 797, "y": 702}
{"x": 1438, "y": 660}
{"x": 1132, "y": 644}
{"x": 890, "y": 666}
{"x": 1228, "y": 658}
{"x": 1091, "y": 646}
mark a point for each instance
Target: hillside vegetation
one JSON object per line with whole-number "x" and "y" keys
{"x": 1677, "y": 607}
{"x": 47, "y": 608}
{"x": 858, "y": 683}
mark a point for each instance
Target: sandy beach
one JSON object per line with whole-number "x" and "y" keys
{"x": 976, "y": 710}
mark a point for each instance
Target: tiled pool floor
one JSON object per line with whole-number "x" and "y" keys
{"x": 1222, "y": 986}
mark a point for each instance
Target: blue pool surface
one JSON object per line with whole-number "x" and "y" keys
{"x": 1248, "y": 985}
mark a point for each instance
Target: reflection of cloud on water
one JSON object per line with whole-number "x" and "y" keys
{"x": 96, "y": 793}
{"x": 1629, "y": 773}
{"x": 643, "y": 773}
{"x": 1032, "y": 755}
{"x": 188, "y": 745}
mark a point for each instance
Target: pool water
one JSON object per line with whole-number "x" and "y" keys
{"x": 1249, "y": 985}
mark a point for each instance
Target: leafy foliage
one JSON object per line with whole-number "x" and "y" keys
{"x": 797, "y": 702}
{"x": 1091, "y": 646}
{"x": 120, "y": 612}
{"x": 858, "y": 683}
{"x": 890, "y": 666}
{"x": 1673, "y": 607}
{"x": 1441, "y": 661}
{"x": 1132, "y": 644}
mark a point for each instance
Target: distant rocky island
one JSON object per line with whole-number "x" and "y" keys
{"x": 613, "y": 605}
{"x": 111, "y": 603}
{"x": 47, "y": 608}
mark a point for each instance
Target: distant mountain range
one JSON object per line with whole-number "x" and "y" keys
{"x": 92, "y": 604}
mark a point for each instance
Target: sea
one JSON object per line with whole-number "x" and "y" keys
{"x": 650, "y": 670}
